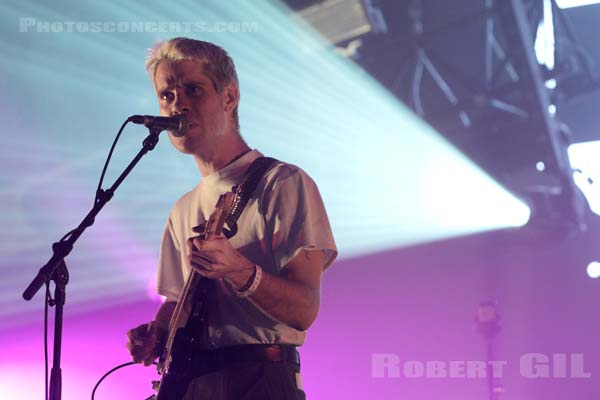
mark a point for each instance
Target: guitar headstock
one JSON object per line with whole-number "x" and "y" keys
{"x": 214, "y": 225}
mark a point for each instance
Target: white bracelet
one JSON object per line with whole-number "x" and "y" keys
{"x": 255, "y": 282}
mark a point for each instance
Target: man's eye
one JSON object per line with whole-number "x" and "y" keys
{"x": 194, "y": 90}
{"x": 167, "y": 96}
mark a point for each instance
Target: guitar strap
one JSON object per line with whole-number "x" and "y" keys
{"x": 198, "y": 321}
{"x": 245, "y": 190}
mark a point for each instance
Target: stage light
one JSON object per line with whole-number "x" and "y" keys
{"x": 341, "y": 20}
{"x": 586, "y": 166}
{"x": 387, "y": 178}
{"x": 540, "y": 166}
{"x": 550, "y": 83}
{"x": 575, "y": 3}
{"x": 593, "y": 270}
{"x": 544, "y": 40}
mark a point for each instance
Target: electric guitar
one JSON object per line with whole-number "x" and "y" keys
{"x": 173, "y": 385}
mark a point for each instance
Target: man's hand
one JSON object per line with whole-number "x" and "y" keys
{"x": 146, "y": 342}
{"x": 215, "y": 258}
{"x": 292, "y": 297}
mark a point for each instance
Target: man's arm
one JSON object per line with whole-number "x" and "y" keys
{"x": 292, "y": 298}
{"x": 164, "y": 314}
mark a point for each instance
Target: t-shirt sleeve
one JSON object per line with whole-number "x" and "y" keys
{"x": 296, "y": 218}
{"x": 170, "y": 276}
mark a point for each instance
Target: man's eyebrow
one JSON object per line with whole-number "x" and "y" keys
{"x": 194, "y": 82}
{"x": 171, "y": 83}
{"x": 170, "y": 80}
{"x": 163, "y": 88}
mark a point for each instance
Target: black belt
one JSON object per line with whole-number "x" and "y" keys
{"x": 203, "y": 362}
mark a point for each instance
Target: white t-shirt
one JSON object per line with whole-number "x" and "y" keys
{"x": 286, "y": 215}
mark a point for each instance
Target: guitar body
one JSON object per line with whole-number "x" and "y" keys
{"x": 172, "y": 365}
{"x": 173, "y": 368}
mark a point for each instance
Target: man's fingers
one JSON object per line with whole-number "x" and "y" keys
{"x": 213, "y": 243}
{"x": 200, "y": 228}
{"x": 197, "y": 243}
{"x": 209, "y": 274}
{"x": 202, "y": 259}
{"x": 136, "y": 332}
{"x": 203, "y": 268}
{"x": 143, "y": 354}
{"x": 134, "y": 345}
{"x": 148, "y": 361}
{"x": 190, "y": 244}
{"x": 192, "y": 241}
{"x": 142, "y": 341}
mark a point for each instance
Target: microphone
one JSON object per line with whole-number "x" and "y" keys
{"x": 177, "y": 125}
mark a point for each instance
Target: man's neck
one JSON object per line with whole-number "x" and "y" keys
{"x": 229, "y": 150}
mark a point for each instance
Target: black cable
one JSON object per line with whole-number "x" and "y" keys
{"x": 110, "y": 372}
{"x": 110, "y": 153}
{"x": 99, "y": 190}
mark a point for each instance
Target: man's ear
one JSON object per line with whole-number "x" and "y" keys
{"x": 231, "y": 96}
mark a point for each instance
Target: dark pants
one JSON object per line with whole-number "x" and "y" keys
{"x": 265, "y": 380}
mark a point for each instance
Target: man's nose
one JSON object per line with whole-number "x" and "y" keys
{"x": 181, "y": 103}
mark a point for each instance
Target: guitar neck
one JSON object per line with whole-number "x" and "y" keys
{"x": 185, "y": 303}
{"x": 214, "y": 227}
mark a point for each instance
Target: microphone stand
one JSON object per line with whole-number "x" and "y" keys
{"x": 56, "y": 269}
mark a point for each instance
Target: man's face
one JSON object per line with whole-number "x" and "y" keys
{"x": 183, "y": 88}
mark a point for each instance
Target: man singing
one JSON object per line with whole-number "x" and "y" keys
{"x": 266, "y": 278}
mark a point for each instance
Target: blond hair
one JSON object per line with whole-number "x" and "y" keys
{"x": 218, "y": 65}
